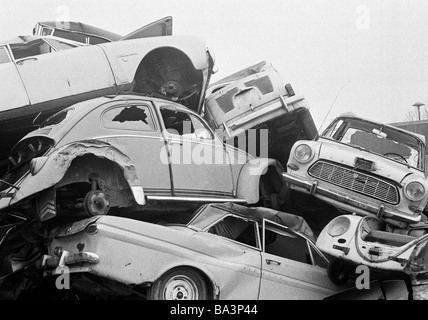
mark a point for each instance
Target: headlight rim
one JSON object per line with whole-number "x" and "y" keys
{"x": 338, "y": 222}
{"x": 411, "y": 198}
{"x": 311, "y": 156}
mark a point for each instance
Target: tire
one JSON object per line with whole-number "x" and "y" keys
{"x": 337, "y": 272}
{"x": 179, "y": 284}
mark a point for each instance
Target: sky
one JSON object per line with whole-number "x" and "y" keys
{"x": 366, "y": 57}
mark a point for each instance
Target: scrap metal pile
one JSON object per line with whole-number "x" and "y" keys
{"x": 126, "y": 173}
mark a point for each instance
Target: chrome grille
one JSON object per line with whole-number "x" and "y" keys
{"x": 355, "y": 181}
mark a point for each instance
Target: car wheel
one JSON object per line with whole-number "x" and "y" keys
{"x": 337, "y": 272}
{"x": 179, "y": 284}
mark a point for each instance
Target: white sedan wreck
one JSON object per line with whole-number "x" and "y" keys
{"x": 226, "y": 251}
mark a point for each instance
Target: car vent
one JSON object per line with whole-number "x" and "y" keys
{"x": 356, "y": 181}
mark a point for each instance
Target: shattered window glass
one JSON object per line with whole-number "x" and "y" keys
{"x": 4, "y": 58}
{"x": 185, "y": 124}
{"x": 138, "y": 118}
{"x": 377, "y": 138}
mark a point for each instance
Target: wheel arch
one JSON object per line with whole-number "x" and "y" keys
{"x": 103, "y": 151}
{"x": 58, "y": 163}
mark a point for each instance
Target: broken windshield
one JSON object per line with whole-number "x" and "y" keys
{"x": 377, "y": 138}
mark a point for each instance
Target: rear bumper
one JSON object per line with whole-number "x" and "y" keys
{"x": 346, "y": 201}
{"x": 68, "y": 259}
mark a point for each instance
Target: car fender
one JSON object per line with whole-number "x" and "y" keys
{"x": 249, "y": 177}
{"x": 59, "y": 161}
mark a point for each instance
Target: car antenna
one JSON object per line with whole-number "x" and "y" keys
{"x": 331, "y": 107}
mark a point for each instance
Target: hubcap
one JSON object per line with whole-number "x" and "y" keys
{"x": 96, "y": 203}
{"x": 181, "y": 288}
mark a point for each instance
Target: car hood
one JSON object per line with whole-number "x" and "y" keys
{"x": 383, "y": 166}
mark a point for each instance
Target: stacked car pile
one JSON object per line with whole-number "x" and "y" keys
{"x": 127, "y": 171}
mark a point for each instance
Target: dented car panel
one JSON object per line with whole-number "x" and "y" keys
{"x": 356, "y": 167}
{"x": 232, "y": 264}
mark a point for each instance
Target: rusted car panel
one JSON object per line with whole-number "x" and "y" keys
{"x": 364, "y": 167}
{"x": 234, "y": 267}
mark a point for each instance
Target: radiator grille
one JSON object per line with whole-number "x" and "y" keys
{"x": 355, "y": 181}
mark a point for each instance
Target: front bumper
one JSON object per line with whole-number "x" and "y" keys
{"x": 346, "y": 201}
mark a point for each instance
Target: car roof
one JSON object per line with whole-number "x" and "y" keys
{"x": 87, "y": 105}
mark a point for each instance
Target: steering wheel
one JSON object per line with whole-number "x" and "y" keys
{"x": 396, "y": 156}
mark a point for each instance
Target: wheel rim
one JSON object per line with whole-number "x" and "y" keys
{"x": 181, "y": 288}
{"x": 96, "y": 203}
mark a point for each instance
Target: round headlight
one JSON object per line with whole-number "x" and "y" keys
{"x": 338, "y": 226}
{"x": 414, "y": 191}
{"x": 303, "y": 153}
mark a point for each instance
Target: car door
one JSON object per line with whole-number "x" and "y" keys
{"x": 240, "y": 253}
{"x": 159, "y": 28}
{"x": 63, "y": 74}
{"x": 13, "y": 94}
{"x": 291, "y": 268}
{"x": 199, "y": 162}
{"x": 133, "y": 128}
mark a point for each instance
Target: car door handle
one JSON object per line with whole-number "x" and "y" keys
{"x": 269, "y": 262}
{"x": 21, "y": 62}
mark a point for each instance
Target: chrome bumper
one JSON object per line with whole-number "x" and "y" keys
{"x": 345, "y": 201}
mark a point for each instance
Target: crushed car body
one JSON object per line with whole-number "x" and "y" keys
{"x": 229, "y": 251}
{"x": 177, "y": 67}
{"x": 253, "y": 110}
{"x": 129, "y": 151}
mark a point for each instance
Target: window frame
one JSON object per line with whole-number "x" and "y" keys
{"x": 309, "y": 244}
{"x": 134, "y": 104}
{"x": 255, "y": 225}
{"x": 190, "y": 115}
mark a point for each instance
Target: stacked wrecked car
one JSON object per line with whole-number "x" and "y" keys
{"x": 127, "y": 170}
